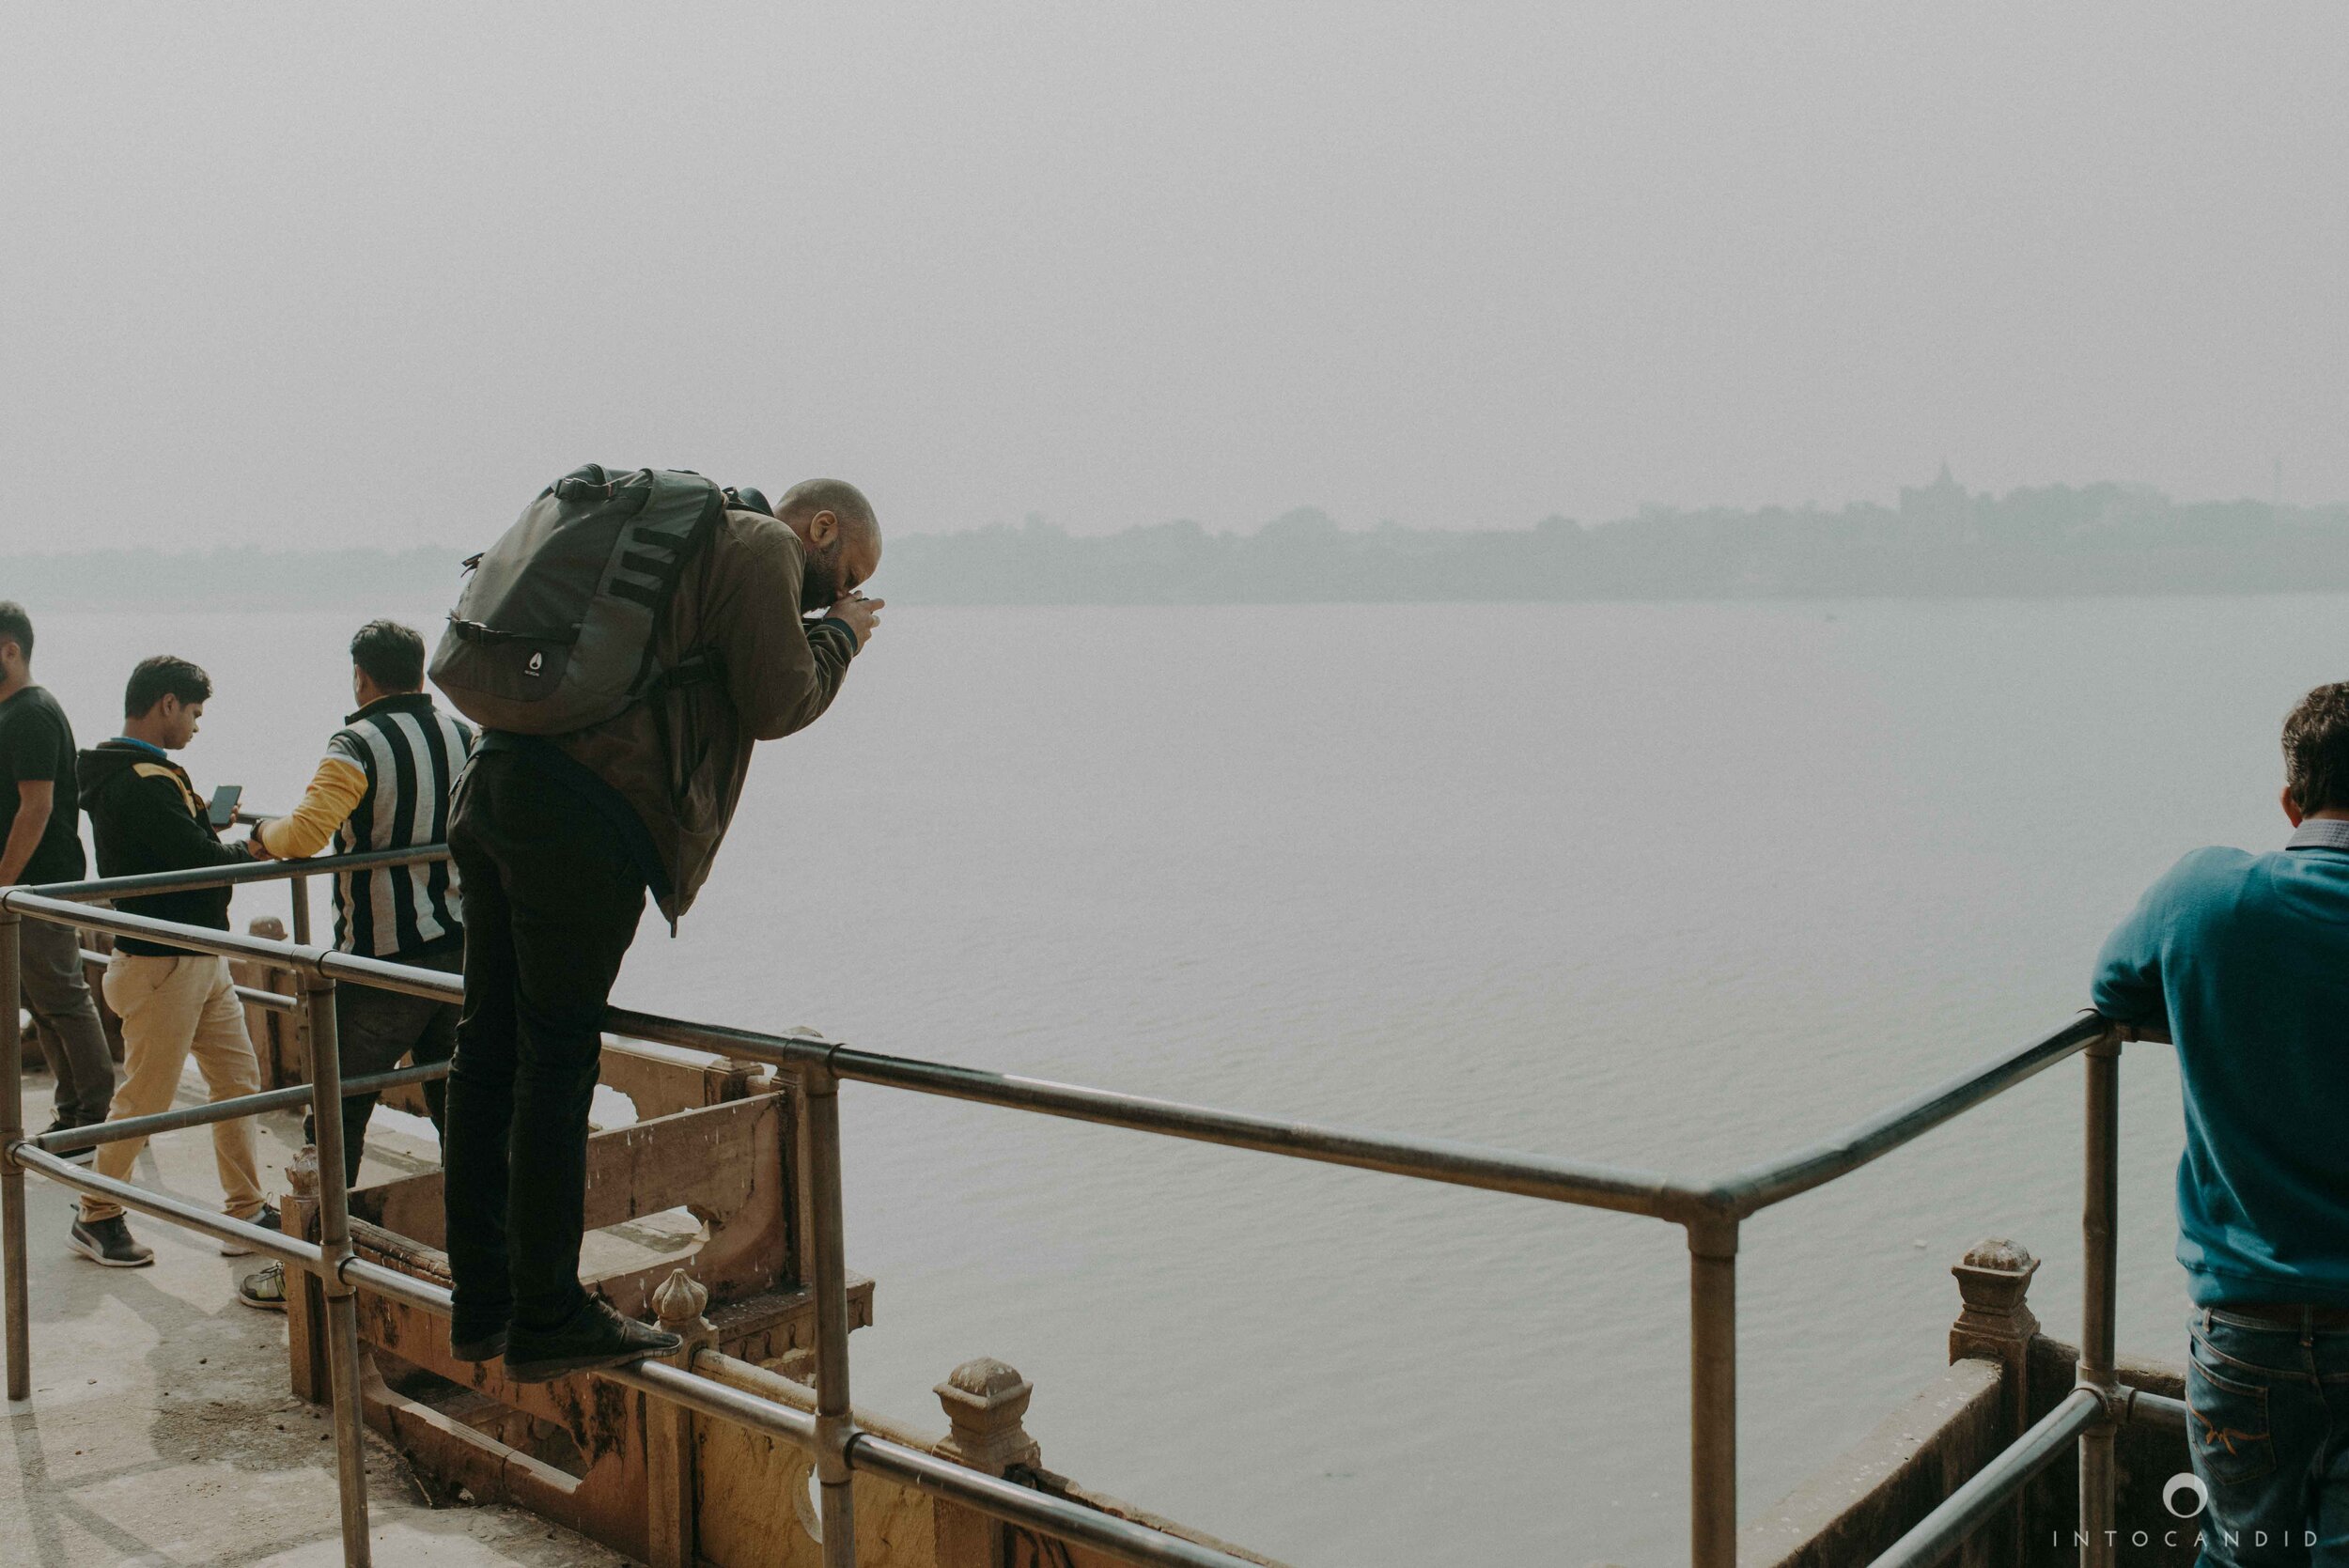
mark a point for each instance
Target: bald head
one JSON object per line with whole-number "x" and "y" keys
{"x": 839, "y": 533}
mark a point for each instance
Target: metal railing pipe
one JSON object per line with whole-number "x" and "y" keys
{"x": 1032, "y": 1509}
{"x": 144, "y": 883}
{"x": 269, "y": 1001}
{"x": 224, "y": 1110}
{"x": 383, "y": 975}
{"x": 342, "y": 1316}
{"x": 186, "y": 939}
{"x": 835, "y": 1417}
{"x": 13, "y": 1261}
{"x": 365, "y": 1274}
{"x": 1943, "y": 1531}
{"x": 704, "y": 1397}
{"x": 1758, "y": 1187}
{"x": 1713, "y": 1393}
{"x": 2152, "y": 1409}
{"x": 2099, "y": 1298}
{"x": 290, "y": 1251}
{"x": 1625, "y": 1189}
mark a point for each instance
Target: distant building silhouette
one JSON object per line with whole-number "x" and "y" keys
{"x": 1942, "y": 509}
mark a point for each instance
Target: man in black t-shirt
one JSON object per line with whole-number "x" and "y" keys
{"x": 41, "y": 841}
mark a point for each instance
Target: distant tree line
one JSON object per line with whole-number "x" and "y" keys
{"x": 1939, "y": 541}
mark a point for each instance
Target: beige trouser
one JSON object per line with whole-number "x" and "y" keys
{"x": 170, "y": 1006}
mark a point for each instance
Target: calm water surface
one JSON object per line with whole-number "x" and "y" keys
{"x": 1682, "y": 886}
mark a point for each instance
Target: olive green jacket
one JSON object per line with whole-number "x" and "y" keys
{"x": 679, "y": 758}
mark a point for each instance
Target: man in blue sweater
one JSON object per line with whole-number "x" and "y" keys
{"x": 2244, "y": 959}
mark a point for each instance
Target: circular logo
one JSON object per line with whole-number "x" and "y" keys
{"x": 2184, "y": 1497}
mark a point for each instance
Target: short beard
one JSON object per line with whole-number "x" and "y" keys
{"x": 819, "y": 582}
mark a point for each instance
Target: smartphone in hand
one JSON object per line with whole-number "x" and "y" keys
{"x": 222, "y": 811}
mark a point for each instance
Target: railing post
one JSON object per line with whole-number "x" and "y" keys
{"x": 1997, "y": 1325}
{"x": 298, "y": 892}
{"x": 820, "y": 1131}
{"x": 671, "y": 1527}
{"x": 1713, "y": 1393}
{"x": 2098, "y": 1300}
{"x": 342, "y": 1318}
{"x": 12, "y": 1174}
{"x": 984, "y": 1400}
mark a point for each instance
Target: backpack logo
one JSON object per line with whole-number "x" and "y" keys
{"x": 538, "y": 664}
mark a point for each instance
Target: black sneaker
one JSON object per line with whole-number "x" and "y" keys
{"x": 108, "y": 1243}
{"x": 79, "y": 1156}
{"x": 268, "y": 1219}
{"x": 468, "y": 1346}
{"x": 596, "y": 1336}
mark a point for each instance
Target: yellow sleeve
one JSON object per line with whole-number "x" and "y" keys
{"x": 334, "y": 791}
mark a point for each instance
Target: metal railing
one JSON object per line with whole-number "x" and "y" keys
{"x": 1709, "y": 1213}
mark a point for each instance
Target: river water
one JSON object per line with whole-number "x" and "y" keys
{"x": 1682, "y": 886}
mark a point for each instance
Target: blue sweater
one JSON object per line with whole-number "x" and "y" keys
{"x": 2246, "y": 959}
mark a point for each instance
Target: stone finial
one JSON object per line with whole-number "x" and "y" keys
{"x": 984, "y": 1400}
{"x": 678, "y": 1300}
{"x": 1992, "y": 1281}
{"x": 303, "y": 1173}
{"x": 1997, "y": 1252}
{"x": 1995, "y": 1324}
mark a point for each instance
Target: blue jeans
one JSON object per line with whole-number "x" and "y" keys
{"x": 2268, "y": 1424}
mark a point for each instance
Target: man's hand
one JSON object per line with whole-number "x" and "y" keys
{"x": 860, "y": 614}
{"x": 254, "y": 846}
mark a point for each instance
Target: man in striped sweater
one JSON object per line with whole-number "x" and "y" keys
{"x": 384, "y": 784}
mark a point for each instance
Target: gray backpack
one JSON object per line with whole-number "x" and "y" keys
{"x": 553, "y": 628}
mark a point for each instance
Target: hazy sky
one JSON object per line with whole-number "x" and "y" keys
{"x": 306, "y": 273}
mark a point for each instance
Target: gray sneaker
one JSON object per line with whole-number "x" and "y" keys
{"x": 264, "y": 1289}
{"x": 108, "y": 1244}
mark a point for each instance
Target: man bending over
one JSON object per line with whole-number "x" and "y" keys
{"x": 558, "y": 839}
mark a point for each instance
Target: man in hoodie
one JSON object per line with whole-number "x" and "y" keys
{"x": 556, "y": 842}
{"x": 146, "y": 815}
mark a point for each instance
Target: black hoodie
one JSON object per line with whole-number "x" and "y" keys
{"x": 145, "y": 815}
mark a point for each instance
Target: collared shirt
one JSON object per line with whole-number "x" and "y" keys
{"x": 2244, "y": 959}
{"x": 2321, "y": 832}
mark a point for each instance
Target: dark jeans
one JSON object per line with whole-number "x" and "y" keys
{"x": 2267, "y": 1404}
{"x": 66, "y": 1021}
{"x": 376, "y": 1028}
{"x": 551, "y": 901}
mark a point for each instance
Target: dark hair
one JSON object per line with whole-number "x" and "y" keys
{"x": 153, "y": 679}
{"x": 16, "y": 627}
{"x": 391, "y": 654}
{"x": 2316, "y": 750}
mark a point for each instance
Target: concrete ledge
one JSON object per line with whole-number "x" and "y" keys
{"x": 1866, "y": 1499}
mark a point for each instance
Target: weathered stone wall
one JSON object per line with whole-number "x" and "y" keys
{"x": 2005, "y": 1375}
{"x": 1858, "y": 1506}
